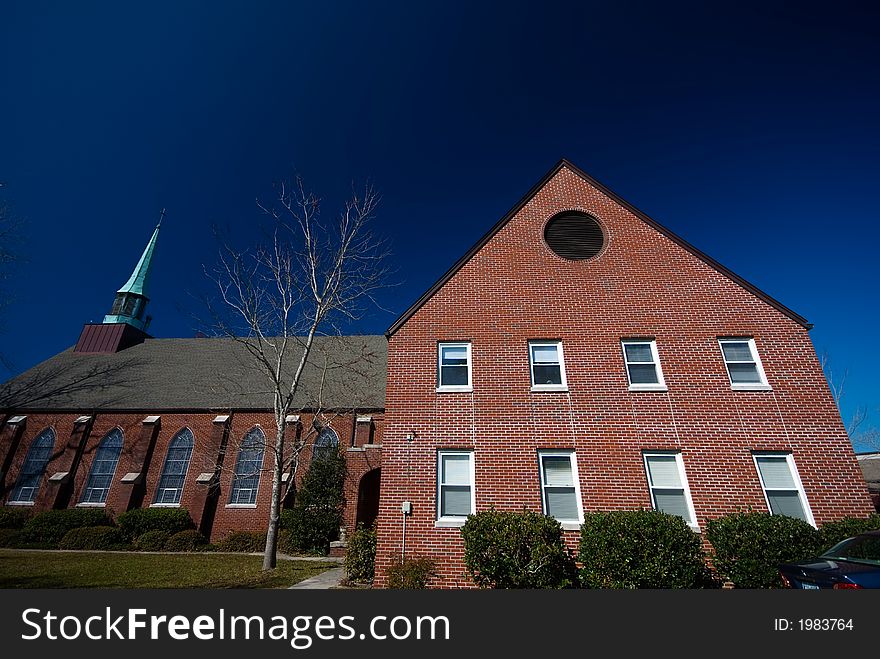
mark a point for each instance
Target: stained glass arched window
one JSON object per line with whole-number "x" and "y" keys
{"x": 174, "y": 471}
{"x": 31, "y": 475}
{"x": 103, "y": 468}
{"x": 326, "y": 444}
{"x": 248, "y": 465}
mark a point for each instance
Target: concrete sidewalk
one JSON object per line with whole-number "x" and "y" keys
{"x": 324, "y": 581}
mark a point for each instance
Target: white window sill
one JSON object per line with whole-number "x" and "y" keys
{"x": 450, "y": 389}
{"x": 571, "y": 526}
{"x": 164, "y": 505}
{"x": 558, "y": 388}
{"x": 241, "y": 505}
{"x": 454, "y": 523}
{"x": 648, "y": 387}
{"x": 86, "y": 504}
{"x": 751, "y": 387}
{"x": 694, "y": 527}
{"x": 19, "y": 503}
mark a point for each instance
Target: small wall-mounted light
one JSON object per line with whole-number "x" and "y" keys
{"x": 411, "y": 435}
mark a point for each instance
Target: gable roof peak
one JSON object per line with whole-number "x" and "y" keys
{"x": 564, "y": 163}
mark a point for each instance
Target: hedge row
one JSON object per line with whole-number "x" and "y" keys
{"x": 156, "y": 529}
{"x": 643, "y": 549}
{"x": 135, "y": 523}
{"x": 517, "y": 550}
{"x": 640, "y": 549}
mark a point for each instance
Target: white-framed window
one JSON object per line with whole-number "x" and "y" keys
{"x": 560, "y": 488}
{"x": 547, "y": 366}
{"x": 177, "y": 459}
{"x": 454, "y": 366}
{"x": 248, "y": 466}
{"x": 743, "y": 364}
{"x": 643, "y": 365}
{"x": 103, "y": 469}
{"x": 668, "y": 484}
{"x": 31, "y": 475}
{"x": 782, "y": 486}
{"x": 456, "y": 498}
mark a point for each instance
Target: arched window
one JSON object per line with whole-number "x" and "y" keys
{"x": 326, "y": 444}
{"x": 31, "y": 475}
{"x": 247, "y": 468}
{"x": 174, "y": 471}
{"x": 103, "y": 468}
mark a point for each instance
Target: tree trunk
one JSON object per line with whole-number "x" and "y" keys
{"x": 270, "y": 554}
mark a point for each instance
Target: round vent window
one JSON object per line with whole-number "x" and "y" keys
{"x": 574, "y": 235}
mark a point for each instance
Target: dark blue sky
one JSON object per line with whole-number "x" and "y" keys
{"x": 750, "y": 130}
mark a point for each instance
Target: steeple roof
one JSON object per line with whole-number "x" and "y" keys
{"x": 140, "y": 276}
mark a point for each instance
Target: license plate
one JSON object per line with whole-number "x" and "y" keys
{"x": 809, "y": 586}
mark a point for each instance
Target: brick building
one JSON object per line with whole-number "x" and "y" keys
{"x": 581, "y": 357}
{"x": 124, "y": 420}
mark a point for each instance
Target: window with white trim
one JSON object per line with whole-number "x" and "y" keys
{"x": 547, "y": 365}
{"x": 743, "y": 364}
{"x": 31, "y": 475}
{"x": 560, "y": 489}
{"x": 455, "y": 485}
{"x": 177, "y": 459}
{"x": 248, "y": 466}
{"x": 103, "y": 468}
{"x": 454, "y": 366}
{"x": 782, "y": 486}
{"x": 642, "y": 365}
{"x": 668, "y": 484}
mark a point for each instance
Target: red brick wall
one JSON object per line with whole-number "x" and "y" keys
{"x": 643, "y": 285}
{"x": 62, "y": 425}
{"x": 227, "y": 518}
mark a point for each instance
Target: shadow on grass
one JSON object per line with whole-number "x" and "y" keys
{"x": 22, "y": 569}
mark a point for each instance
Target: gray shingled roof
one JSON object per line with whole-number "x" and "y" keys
{"x": 202, "y": 373}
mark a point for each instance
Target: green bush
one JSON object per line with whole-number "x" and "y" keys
{"x": 748, "y": 547}
{"x": 640, "y": 549}
{"x": 517, "y": 550}
{"x": 360, "y": 556}
{"x": 48, "y": 528}
{"x": 94, "y": 538}
{"x": 285, "y": 540}
{"x": 317, "y": 510}
{"x": 243, "y": 541}
{"x": 10, "y": 538}
{"x": 152, "y": 541}
{"x": 190, "y": 540}
{"x": 138, "y": 521}
{"x": 410, "y": 573}
{"x": 833, "y": 532}
{"x": 13, "y": 518}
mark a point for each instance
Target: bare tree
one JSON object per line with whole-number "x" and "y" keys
{"x": 307, "y": 279}
{"x": 855, "y": 424}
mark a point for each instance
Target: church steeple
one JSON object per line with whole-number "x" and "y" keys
{"x": 131, "y": 300}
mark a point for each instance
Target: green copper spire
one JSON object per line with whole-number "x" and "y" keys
{"x": 131, "y": 299}
{"x": 140, "y": 277}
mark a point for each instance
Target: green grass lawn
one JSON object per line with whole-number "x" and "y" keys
{"x": 35, "y": 569}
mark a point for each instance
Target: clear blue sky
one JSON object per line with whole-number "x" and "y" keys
{"x": 749, "y": 129}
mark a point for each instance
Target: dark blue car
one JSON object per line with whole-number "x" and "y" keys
{"x": 853, "y": 563}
